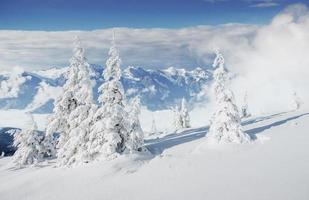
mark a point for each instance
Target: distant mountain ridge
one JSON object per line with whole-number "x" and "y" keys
{"x": 158, "y": 89}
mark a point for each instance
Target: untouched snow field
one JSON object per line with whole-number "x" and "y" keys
{"x": 163, "y": 119}
{"x": 183, "y": 166}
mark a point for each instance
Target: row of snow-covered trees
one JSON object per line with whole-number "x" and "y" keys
{"x": 86, "y": 130}
{"x": 81, "y": 131}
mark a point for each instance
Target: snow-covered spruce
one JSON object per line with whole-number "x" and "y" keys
{"x": 225, "y": 125}
{"x": 177, "y": 118}
{"x": 185, "y": 114}
{"x": 72, "y": 146}
{"x": 136, "y": 133}
{"x": 153, "y": 130}
{"x": 244, "y": 109}
{"x": 181, "y": 116}
{"x": 29, "y": 146}
{"x": 110, "y": 133}
{"x": 64, "y": 105}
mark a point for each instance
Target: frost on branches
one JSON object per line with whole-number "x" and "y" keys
{"x": 73, "y": 139}
{"x": 29, "y": 146}
{"x": 110, "y": 133}
{"x": 181, "y": 116}
{"x": 225, "y": 126}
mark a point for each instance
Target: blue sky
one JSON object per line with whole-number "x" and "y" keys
{"x": 97, "y": 14}
{"x": 179, "y": 42}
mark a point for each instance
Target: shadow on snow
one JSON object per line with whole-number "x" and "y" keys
{"x": 254, "y": 131}
{"x": 158, "y": 145}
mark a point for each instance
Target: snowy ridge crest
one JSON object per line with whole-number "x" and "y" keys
{"x": 158, "y": 89}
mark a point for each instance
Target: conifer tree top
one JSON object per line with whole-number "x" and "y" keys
{"x": 112, "y": 71}
{"x": 32, "y": 123}
{"x": 78, "y": 52}
{"x": 219, "y": 60}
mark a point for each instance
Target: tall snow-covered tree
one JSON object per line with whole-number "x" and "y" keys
{"x": 225, "y": 125}
{"x": 153, "y": 130}
{"x": 73, "y": 142}
{"x": 136, "y": 133}
{"x": 110, "y": 133}
{"x": 64, "y": 105}
{"x": 244, "y": 109}
{"x": 177, "y": 118}
{"x": 185, "y": 114}
{"x": 181, "y": 116}
{"x": 29, "y": 145}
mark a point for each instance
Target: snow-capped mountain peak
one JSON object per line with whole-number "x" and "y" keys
{"x": 157, "y": 88}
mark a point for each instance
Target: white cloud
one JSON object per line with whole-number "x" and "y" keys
{"x": 276, "y": 65}
{"x": 264, "y": 4}
{"x": 145, "y": 47}
{"x": 10, "y": 87}
{"x": 253, "y": 3}
{"x": 45, "y": 93}
{"x": 270, "y": 61}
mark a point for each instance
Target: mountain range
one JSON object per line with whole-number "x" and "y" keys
{"x": 158, "y": 89}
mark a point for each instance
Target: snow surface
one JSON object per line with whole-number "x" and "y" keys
{"x": 183, "y": 166}
{"x": 164, "y": 119}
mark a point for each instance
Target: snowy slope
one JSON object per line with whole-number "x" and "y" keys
{"x": 183, "y": 166}
{"x": 159, "y": 89}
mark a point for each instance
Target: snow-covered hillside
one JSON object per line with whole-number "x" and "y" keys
{"x": 158, "y": 89}
{"x": 183, "y": 166}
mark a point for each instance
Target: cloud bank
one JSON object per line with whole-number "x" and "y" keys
{"x": 276, "y": 64}
{"x": 270, "y": 62}
{"x": 139, "y": 47}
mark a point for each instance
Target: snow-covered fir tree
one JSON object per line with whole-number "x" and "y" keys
{"x": 244, "y": 109}
{"x": 136, "y": 133}
{"x": 110, "y": 133}
{"x": 153, "y": 130}
{"x": 72, "y": 147}
{"x": 225, "y": 125}
{"x": 177, "y": 118}
{"x": 63, "y": 106}
{"x": 29, "y": 145}
{"x": 185, "y": 114}
{"x": 181, "y": 116}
